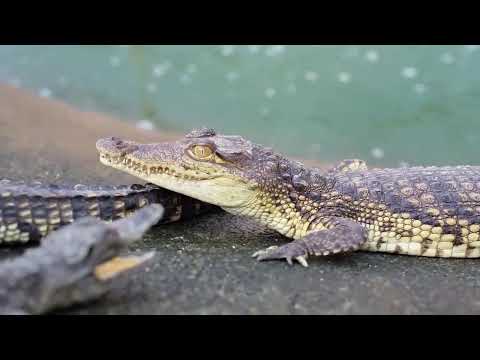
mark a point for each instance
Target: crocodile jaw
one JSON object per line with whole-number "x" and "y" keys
{"x": 224, "y": 191}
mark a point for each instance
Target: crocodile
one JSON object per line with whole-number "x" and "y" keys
{"x": 78, "y": 263}
{"x": 30, "y": 211}
{"x": 421, "y": 211}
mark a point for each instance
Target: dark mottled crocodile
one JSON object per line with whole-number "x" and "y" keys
{"x": 29, "y": 212}
{"x": 427, "y": 211}
{"x": 78, "y": 263}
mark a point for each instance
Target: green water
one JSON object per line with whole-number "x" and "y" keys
{"x": 386, "y": 104}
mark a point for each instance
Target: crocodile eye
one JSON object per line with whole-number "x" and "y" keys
{"x": 201, "y": 151}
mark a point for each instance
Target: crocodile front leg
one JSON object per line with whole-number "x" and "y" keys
{"x": 340, "y": 236}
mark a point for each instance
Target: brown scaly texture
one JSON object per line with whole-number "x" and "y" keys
{"x": 415, "y": 211}
{"x": 28, "y": 212}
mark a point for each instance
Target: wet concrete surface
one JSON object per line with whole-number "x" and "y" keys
{"x": 204, "y": 266}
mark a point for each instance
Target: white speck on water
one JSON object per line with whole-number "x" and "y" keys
{"x": 344, "y": 77}
{"x": 232, "y": 76}
{"x": 161, "y": 69}
{"x": 372, "y": 56}
{"x": 270, "y": 93}
{"x": 254, "y": 49}
{"x": 275, "y": 50}
{"x": 472, "y": 48}
{"x": 409, "y": 72}
{"x": 447, "y": 58}
{"x": 185, "y": 79}
{"x": 114, "y": 61}
{"x": 420, "y": 88}
{"x": 145, "y": 125}
{"x": 292, "y": 89}
{"x": 227, "y": 50}
{"x": 191, "y": 68}
{"x": 377, "y": 153}
{"x": 311, "y": 76}
{"x": 403, "y": 164}
{"x": 45, "y": 92}
{"x": 151, "y": 87}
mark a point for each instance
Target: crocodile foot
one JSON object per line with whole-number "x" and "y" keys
{"x": 288, "y": 252}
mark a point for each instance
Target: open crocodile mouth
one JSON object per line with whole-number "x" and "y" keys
{"x": 118, "y": 265}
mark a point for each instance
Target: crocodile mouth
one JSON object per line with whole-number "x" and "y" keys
{"x": 118, "y": 265}
{"x": 146, "y": 171}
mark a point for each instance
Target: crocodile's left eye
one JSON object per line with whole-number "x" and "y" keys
{"x": 201, "y": 151}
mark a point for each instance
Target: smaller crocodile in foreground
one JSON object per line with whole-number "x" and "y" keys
{"x": 28, "y": 212}
{"x": 423, "y": 211}
{"x": 73, "y": 265}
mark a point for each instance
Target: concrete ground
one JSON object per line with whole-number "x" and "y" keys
{"x": 204, "y": 266}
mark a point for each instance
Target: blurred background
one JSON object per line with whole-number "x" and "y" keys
{"x": 390, "y": 105}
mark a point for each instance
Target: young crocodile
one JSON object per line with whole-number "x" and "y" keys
{"x": 29, "y": 212}
{"x": 431, "y": 211}
{"x": 78, "y": 263}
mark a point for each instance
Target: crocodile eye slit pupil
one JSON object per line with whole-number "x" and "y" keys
{"x": 202, "y": 152}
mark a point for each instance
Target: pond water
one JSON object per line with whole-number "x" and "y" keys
{"x": 390, "y": 105}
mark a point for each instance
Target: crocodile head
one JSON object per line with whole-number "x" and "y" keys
{"x": 74, "y": 264}
{"x": 218, "y": 169}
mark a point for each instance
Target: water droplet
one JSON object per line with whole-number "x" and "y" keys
{"x": 377, "y": 153}
{"x": 409, "y": 72}
{"x": 403, "y": 164}
{"x": 151, "y": 87}
{"x": 270, "y": 93}
{"x": 232, "y": 76}
{"x": 311, "y": 76}
{"x": 275, "y": 50}
{"x": 227, "y": 50}
{"x": 185, "y": 79}
{"x": 145, "y": 125}
{"x": 192, "y": 68}
{"x": 45, "y": 92}
{"x": 114, "y": 61}
{"x": 472, "y": 48}
{"x": 447, "y": 58}
{"x": 344, "y": 77}
{"x": 372, "y": 56}
{"x": 420, "y": 88}
{"x": 254, "y": 48}
{"x": 161, "y": 69}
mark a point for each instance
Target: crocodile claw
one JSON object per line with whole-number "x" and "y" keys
{"x": 287, "y": 252}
